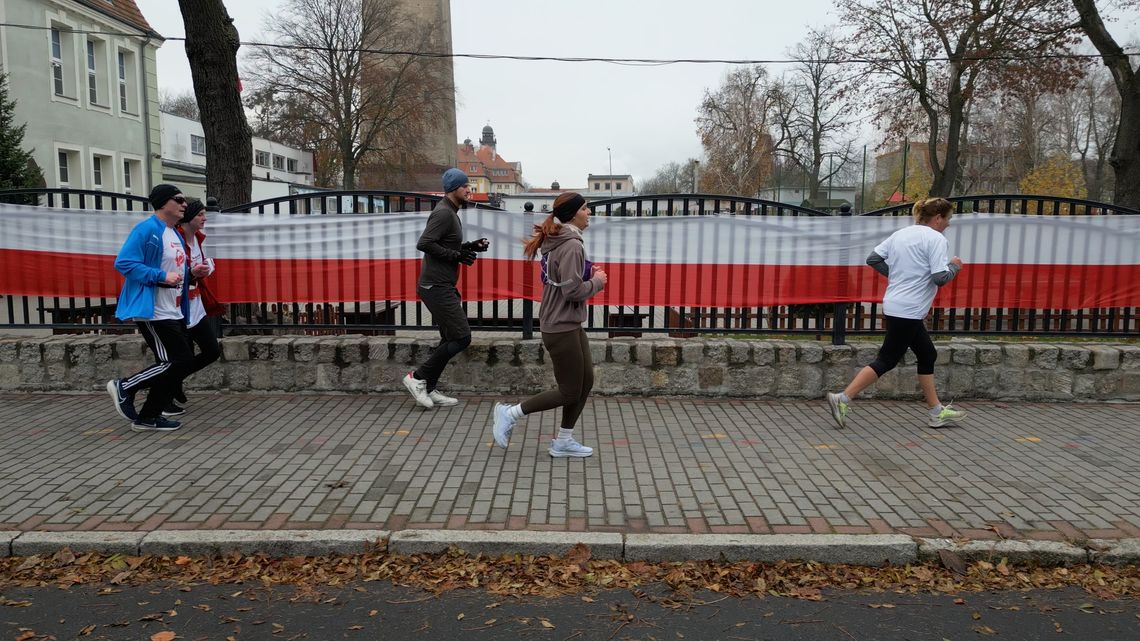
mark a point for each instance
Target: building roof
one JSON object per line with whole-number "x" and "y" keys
{"x": 487, "y": 159}
{"x": 610, "y": 177}
{"x": 125, "y": 11}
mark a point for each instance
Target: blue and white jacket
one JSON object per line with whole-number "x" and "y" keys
{"x": 140, "y": 261}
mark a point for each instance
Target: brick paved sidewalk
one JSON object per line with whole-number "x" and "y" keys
{"x": 1041, "y": 471}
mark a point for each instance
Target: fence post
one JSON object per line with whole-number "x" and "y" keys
{"x": 528, "y": 319}
{"x": 839, "y": 325}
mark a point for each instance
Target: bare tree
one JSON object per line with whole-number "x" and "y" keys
{"x": 735, "y": 129}
{"x": 933, "y": 57}
{"x": 672, "y": 178}
{"x": 329, "y": 60}
{"x": 182, "y": 104}
{"x": 1125, "y": 158}
{"x": 211, "y": 48}
{"x": 811, "y": 112}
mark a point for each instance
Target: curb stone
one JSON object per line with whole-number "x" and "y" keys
{"x": 30, "y": 543}
{"x": 1112, "y": 552}
{"x": 869, "y": 549}
{"x": 603, "y": 545}
{"x": 1051, "y": 553}
{"x": 274, "y": 543}
{"x": 6, "y": 538}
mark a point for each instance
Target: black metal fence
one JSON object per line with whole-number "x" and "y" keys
{"x": 385, "y": 317}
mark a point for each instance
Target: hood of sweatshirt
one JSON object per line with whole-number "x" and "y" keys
{"x": 566, "y": 233}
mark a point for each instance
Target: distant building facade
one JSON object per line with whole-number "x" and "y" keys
{"x": 489, "y": 172}
{"x": 600, "y": 186}
{"x": 85, "y": 85}
{"x": 278, "y": 170}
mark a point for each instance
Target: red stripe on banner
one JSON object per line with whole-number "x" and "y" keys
{"x": 29, "y": 273}
{"x": 38, "y": 273}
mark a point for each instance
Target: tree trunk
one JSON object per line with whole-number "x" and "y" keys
{"x": 1125, "y": 159}
{"x": 211, "y": 48}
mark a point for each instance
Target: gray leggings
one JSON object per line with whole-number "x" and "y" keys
{"x": 574, "y": 371}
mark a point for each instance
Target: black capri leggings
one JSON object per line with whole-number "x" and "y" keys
{"x": 901, "y": 334}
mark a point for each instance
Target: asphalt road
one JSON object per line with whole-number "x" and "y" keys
{"x": 382, "y": 611}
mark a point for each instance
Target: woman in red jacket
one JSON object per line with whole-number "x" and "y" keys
{"x": 204, "y": 306}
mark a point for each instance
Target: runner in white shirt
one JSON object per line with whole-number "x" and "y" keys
{"x": 916, "y": 262}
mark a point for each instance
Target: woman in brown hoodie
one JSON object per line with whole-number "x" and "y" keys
{"x": 569, "y": 281}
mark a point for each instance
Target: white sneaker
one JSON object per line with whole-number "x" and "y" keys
{"x": 418, "y": 389}
{"x": 569, "y": 448}
{"x": 503, "y": 424}
{"x": 438, "y": 398}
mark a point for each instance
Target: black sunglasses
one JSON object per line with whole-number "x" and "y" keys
{"x": 179, "y": 199}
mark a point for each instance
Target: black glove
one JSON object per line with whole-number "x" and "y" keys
{"x": 467, "y": 257}
{"x": 480, "y": 245}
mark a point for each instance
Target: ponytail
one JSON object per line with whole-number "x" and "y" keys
{"x": 549, "y": 227}
{"x": 928, "y": 209}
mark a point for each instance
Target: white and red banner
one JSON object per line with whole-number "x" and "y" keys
{"x": 1045, "y": 262}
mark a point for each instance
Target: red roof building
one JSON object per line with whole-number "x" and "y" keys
{"x": 489, "y": 172}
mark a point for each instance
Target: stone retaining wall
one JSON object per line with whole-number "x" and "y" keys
{"x": 649, "y": 366}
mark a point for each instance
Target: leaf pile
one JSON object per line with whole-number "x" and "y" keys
{"x": 552, "y": 576}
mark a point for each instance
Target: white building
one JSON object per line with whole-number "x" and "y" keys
{"x": 600, "y": 186}
{"x": 84, "y": 81}
{"x": 825, "y": 199}
{"x": 541, "y": 200}
{"x": 278, "y": 170}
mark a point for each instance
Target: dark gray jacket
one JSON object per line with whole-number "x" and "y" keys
{"x": 440, "y": 244}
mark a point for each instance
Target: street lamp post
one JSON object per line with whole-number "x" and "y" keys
{"x": 611, "y": 176}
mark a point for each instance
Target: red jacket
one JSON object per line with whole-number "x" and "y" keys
{"x": 209, "y": 300}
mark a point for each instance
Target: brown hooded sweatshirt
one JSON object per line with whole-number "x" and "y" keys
{"x": 564, "y": 297}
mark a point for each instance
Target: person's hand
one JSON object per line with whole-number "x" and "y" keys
{"x": 174, "y": 279}
{"x": 480, "y": 245}
{"x": 600, "y": 274}
{"x": 201, "y": 270}
{"x": 956, "y": 261}
{"x": 467, "y": 257}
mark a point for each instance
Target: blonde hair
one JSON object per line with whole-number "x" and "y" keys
{"x": 928, "y": 209}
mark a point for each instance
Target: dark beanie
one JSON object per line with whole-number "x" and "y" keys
{"x": 162, "y": 193}
{"x": 193, "y": 209}
{"x": 567, "y": 204}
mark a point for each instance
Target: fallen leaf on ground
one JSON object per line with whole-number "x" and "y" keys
{"x": 953, "y": 562}
{"x": 546, "y": 624}
{"x": 165, "y": 635}
{"x": 984, "y": 629}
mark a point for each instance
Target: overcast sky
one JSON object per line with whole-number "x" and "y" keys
{"x": 558, "y": 118}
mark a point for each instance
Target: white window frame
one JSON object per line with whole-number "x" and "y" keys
{"x": 291, "y": 165}
{"x": 62, "y": 166}
{"x": 195, "y": 138}
{"x": 139, "y": 181}
{"x": 59, "y": 86}
{"x": 259, "y": 154}
{"x": 121, "y": 72}
{"x": 75, "y": 166}
{"x": 89, "y": 56}
{"x": 129, "y": 87}
{"x": 278, "y": 162}
{"x": 106, "y": 161}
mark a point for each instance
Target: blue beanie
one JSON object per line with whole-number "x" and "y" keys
{"x": 453, "y": 179}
